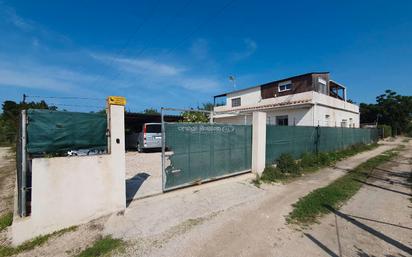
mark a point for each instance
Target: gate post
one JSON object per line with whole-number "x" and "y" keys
{"x": 259, "y": 142}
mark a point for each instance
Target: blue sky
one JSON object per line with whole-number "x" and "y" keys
{"x": 180, "y": 53}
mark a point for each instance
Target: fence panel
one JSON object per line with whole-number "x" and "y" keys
{"x": 57, "y": 131}
{"x": 201, "y": 152}
{"x": 298, "y": 140}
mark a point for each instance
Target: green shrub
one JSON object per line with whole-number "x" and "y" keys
{"x": 286, "y": 164}
{"x": 324, "y": 159}
{"x": 308, "y": 160}
{"x": 6, "y": 220}
{"x": 271, "y": 174}
{"x": 387, "y": 130}
{"x": 308, "y": 208}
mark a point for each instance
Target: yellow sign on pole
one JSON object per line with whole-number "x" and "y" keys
{"x": 116, "y": 100}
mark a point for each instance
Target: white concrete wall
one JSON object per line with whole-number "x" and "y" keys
{"x": 336, "y": 116}
{"x": 242, "y": 119}
{"x": 247, "y": 97}
{"x": 296, "y": 117}
{"x": 69, "y": 191}
{"x": 305, "y": 109}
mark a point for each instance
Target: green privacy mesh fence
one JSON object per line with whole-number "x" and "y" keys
{"x": 58, "y": 131}
{"x": 297, "y": 140}
{"x": 200, "y": 152}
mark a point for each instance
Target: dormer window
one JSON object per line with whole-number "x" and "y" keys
{"x": 285, "y": 86}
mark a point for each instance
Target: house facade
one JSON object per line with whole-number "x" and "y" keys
{"x": 309, "y": 99}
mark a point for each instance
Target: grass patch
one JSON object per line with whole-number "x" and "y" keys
{"x": 102, "y": 247}
{"x": 29, "y": 245}
{"x": 287, "y": 168}
{"x": 6, "y": 220}
{"x": 314, "y": 205}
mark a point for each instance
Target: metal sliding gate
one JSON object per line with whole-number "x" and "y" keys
{"x": 199, "y": 152}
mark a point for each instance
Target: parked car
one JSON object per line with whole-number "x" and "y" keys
{"x": 150, "y": 137}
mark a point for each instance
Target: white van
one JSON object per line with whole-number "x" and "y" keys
{"x": 150, "y": 137}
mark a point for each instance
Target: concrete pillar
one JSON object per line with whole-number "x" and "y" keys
{"x": 259, "y": 142}
{"x": 116, "y": 148}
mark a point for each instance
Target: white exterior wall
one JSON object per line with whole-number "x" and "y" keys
{"x": 308, "y": 109}
{"x": 69, "y": 191}
{"x": 336, "y": 116}
{"x": 247, "y": 97}
{"x": 242, "y": 119}
{"x": 296, "y": 117}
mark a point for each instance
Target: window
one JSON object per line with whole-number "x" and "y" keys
{"x": 236, "y": 102}
{"x": 153, "y": 128}
{"x": 344, "y": 124}
{"x": 322, "y": 86}
{"x": 285, "y": 86}
{"x": 282, "y": 120}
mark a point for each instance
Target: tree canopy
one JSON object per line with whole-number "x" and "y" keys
{"x": 9, "y": 118}
{"x": 391, "y": 109}
{"x": 196, "y": 116}
{"x": 151, "y": 111}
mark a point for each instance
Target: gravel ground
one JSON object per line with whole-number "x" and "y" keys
{"x": 143, "y": 174}
{"x": 242, "y": 226}
{"x": 231, "y": 217}
{"x": 7, "y": 179}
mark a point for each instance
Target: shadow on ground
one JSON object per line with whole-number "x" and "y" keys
{"x": 133, "y": 185}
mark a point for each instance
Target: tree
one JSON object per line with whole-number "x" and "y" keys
{"x": 196, "y": 116}
{"x": 390, "y": 109}
{"x": 151, "y": 111}
{"x": 395, "y": 110}
{"x": 9, "y": 119}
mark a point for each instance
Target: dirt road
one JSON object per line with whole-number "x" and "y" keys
{"x": 232, "y": 217}
{"x": 254, "y": 228}
{"x": 7, "y": 179}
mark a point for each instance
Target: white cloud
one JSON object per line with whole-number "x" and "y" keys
{"x": 250, "y": 48}
{"x": 139, "y": 66}
{"x": 150, "y": 72}
{"x": 12, "y": 17}
{"x": 34, "y": 75}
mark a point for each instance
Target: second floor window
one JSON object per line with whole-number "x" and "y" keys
{"x": 285, "y": 86}
{"x": 235, "y": 102}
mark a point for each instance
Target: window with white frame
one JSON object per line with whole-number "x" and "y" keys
{"x": 322, "y": 86}
{"x": 285, "y": 86}
{"x": 236, "y": 102}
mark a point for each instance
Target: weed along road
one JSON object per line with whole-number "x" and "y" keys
{"x": 234, "y": 217}
{"x": 257, "y": 226}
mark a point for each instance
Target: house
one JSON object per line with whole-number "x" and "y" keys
{"x": 309, "y": 99}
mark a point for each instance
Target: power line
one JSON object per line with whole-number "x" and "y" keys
{"x": 75, "y": 105}
{"x": 130, "y": 39}
{"x": 156, "y": 36}
{"x": 199, "y": 27}
{"x": 64, "y": 97}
